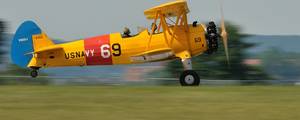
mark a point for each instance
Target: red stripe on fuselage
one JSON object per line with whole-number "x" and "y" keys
{"x": 97, "y": 50}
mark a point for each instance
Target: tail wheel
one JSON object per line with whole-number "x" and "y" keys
{"x": 189, "y": 78}
{"x": 34, "y": 73}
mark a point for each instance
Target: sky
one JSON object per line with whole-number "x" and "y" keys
{"x": 69, "y": 20}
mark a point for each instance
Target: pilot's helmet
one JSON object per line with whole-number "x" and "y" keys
{"x": 126, "y": 30}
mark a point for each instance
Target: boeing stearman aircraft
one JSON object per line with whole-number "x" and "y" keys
{"x": 171, "y": 37}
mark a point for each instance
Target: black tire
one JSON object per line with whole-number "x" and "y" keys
{"x": 189, "y": 78}
{"x": 34, "y": 73}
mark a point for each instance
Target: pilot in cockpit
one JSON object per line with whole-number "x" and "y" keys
{"x": 126, "y": 32}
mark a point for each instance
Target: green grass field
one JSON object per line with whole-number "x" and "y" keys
{"x": 149, "y": 103}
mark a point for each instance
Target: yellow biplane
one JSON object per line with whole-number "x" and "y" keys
{"x": 170, "y": 37}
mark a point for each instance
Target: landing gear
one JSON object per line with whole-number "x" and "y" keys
{"x": 34, "y": 73}
{"x": 189, "y": 78}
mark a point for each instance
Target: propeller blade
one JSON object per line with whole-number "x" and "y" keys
{"x": 224, "y": 33}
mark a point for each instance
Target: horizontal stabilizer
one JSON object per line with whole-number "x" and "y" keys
{"x": 47, "y": 49}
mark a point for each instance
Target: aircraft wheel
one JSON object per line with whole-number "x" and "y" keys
{"x": 189, "y": 78}
{"x": 34, "y": 73}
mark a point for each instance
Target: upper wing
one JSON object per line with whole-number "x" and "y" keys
{"x": 168, "y": 9}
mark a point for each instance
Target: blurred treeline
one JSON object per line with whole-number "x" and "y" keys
{"x": 281, "y": 64}
{"x": 2, "y": 30}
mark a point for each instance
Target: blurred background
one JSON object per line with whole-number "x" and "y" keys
{"x": 261, "y": 51}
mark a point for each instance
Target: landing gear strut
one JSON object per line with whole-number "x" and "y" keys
{"x": 189, "y": 77}
{"x": 34, "y": 73}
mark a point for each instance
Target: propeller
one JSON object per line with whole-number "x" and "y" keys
{"x": 224, "y": 33}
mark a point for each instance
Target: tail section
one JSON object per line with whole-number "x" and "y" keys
{"x": 28, "y": 38}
